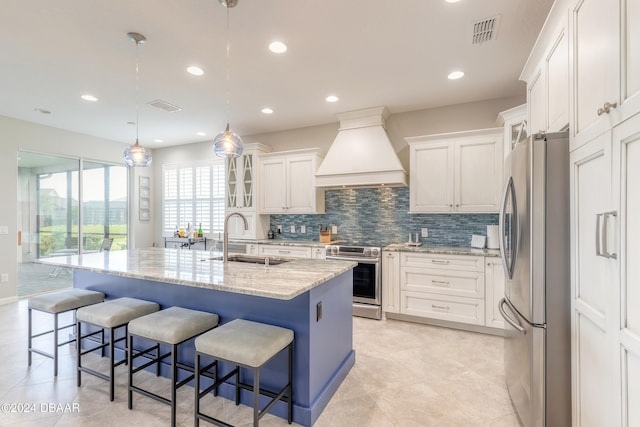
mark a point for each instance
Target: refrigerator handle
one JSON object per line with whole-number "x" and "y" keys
{"x": 508, "y": 269}
{"x": 508, "y": 319}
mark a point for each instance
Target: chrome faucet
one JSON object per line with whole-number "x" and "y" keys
{"x": 225, "y": 243}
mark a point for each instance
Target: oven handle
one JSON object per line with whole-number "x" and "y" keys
{"x": 354, "y": 259}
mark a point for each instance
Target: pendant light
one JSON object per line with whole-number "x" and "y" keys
{"x": 228, "y": 144}
{"x": 136, "y": 155}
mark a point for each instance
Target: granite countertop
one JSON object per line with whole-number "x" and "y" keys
{"x": 195, "y": 268}
{"x": 446, "y": 250}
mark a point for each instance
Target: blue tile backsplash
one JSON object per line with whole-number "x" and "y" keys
{"x": 380, "y": 216}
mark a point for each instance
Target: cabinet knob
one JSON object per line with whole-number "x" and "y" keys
{"x": 606, "y": 108}
{"x": 450, "y": 206}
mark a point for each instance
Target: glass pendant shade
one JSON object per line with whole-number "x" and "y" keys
{"x": 228, "y": 144}
{"x": 136, "y": 155}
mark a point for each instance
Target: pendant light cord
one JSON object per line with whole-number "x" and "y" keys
{"x": 137, "y": 87}
{"x": 228, "y": 73}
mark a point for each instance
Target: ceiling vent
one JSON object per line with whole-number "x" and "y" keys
{"x": 164, "y": 105}
{"x": 485, "y": 30}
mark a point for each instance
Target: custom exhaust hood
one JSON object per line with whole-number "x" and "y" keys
{"x": 362, "y": 154}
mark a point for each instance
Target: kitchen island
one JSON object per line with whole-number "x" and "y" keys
{"x": 311, "y": 297}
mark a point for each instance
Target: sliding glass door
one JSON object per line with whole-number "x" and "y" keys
{"x": 104, "y": 206}
{"x": 67, "y": 206}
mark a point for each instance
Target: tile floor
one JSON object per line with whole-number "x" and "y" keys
{"x": 405, "y": 375}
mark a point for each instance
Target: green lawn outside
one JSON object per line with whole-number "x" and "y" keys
{"x": 52, "y": 238}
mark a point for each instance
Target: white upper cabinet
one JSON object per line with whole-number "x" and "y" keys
{"x": 596, "y": 49}
{"x": 514, "y": 122}
{"x": 547, "y": 75}
{"x": 242, "y": 192}
{"x": 287, "y": 183}
{"x": 606, "y": 65}
{"x": 456, "y": 172}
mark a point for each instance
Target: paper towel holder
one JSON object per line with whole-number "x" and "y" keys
{"x": 493, "y": 239}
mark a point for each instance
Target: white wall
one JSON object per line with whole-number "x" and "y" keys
{"x": 18, "y": 135}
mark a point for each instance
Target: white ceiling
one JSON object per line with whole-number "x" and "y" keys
{"x": 367, "y": 52}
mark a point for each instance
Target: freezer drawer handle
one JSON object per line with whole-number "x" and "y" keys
{"x": 508, "y": 319}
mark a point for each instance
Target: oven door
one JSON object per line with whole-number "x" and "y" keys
{"x": 366, "y": 279}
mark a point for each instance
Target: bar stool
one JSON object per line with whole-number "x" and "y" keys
{"x": 57, "y": 303}
{"x": 172, "y": 326}
{"x": 112, "y": 315}
{"x": 250, "y": 345}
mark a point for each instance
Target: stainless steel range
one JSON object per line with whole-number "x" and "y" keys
{"x": 366, "y": 277}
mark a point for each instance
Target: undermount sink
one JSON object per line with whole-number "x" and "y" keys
{"x": 251, "y": 259}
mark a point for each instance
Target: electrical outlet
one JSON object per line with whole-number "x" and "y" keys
{"x": 4, "y": 229}
{"x": 303, "y": 229}
{"x": 425, "y": 232}
{"x": 334, "y": 229}
{"x": 4, "y": 277}
{"x": 293, "y": 228}
{"x": 279, "y": 227}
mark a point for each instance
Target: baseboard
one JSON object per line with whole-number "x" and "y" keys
{"x": 446, "y": 324}
{"x": 9, "y": 300}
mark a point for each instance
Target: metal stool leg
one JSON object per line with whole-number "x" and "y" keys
{"x": 174, "y": 380}
{"x": 111, "y": 364}
{"x": 30, "y": 322}
{"x": 256, "y": 396}
{"x": 79, "y": 352}
{"x": 55, "y": 345}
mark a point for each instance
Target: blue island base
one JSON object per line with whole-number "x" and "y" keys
{"x": 321, "y": 319}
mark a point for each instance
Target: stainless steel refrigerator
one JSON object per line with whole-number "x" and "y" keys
{"x": 534, "y": 245}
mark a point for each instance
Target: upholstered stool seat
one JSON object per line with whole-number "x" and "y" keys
{"x": 172, "y": 326}
{"x": 112, "y": 315}
{"x": 250, "y": 345}
{"x": 57, "y": 303}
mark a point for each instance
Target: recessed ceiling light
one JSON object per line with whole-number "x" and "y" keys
{"x": 267, "y": 110}
{"x": 277, "y": 47}
{"x": 331, "y": 98}
{"x": 195, "y": 70}
{"x": 455, "y": 75}
{"x": 452, "y": 1}
{"x": 89, "y": 97}
{"x": 158, "y": 140}
{"x": 201, "y": 133}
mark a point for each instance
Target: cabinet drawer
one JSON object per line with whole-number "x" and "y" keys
{"x": 444, "y": 262}
{"x": 433, "y": 306}
{"x": 286, "y": 251}
{"x": 445, "y": 282}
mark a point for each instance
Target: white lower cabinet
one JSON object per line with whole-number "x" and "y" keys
{"x": 443, "y": 307}
{"x": 494, "y": 283}
{"x": 443, "y": 287}
{"x": 285, "y": 251}
{"x": 464, "y": 289}
{"x": 318, "y": 253}
{"x": 390, "y": 266}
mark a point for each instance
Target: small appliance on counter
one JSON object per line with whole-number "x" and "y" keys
{"x": 414, "y": 240}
